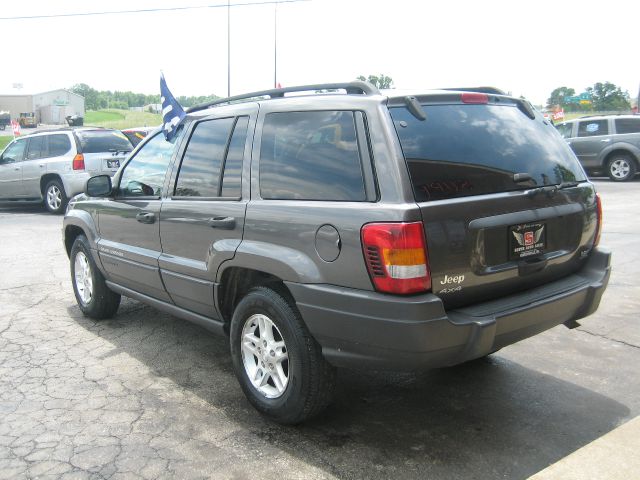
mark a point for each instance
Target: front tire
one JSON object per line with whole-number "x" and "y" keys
{"x": 55, "y": 200}
{"x": 278, "y": 363}
{"x": 92, "y": 294}
{"x": 621, "y": 168}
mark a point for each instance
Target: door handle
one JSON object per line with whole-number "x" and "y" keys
{"x": 17, "y": 169}
{"x": 146, "y": 217}
{"x": 605, "y": 140}
{"x": 224, "y": 223}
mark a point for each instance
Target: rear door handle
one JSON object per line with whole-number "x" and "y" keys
{"x": 146, "y": 217}
{"x": 224, "y": 223}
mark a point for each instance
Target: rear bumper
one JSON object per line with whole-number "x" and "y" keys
{"x": 359, "y": 328}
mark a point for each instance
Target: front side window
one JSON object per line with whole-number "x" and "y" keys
{"x": 14, "y": 152}
{"x": 311, "y": 156}
{"x": 144, "y": 174}
{"x": 200, "y": 170}
{"x": 627, "y": 125}
{"x": 593, "y": 128}
{"x": 565, "y": 129}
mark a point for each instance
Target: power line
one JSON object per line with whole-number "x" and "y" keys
{"x": 150, "y": 10}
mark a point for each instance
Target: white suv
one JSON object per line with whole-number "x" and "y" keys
{"x": 53, "y": 166}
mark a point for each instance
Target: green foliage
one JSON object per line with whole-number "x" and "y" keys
{"x": 380, "y": 81}
{"x": 607, "y": 96}
{"x": 96, "y": 100}
{"x": 4, "y": 141}
{"x": 121, "y": 119}
{"x": 558, "y": 95}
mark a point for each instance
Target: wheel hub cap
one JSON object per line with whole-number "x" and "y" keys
{"x": 54, "y": 197}
{"x": 619, "y": 168}
{"x": 265, "y": 356}
{"x": 83, "y": 278}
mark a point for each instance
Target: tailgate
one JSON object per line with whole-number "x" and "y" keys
{"x": 504, "y": 201}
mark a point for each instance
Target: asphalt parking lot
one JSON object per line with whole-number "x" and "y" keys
{"x": 145, "y": 395}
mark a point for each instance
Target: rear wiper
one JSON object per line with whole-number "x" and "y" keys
{"x": 550, "y": 190}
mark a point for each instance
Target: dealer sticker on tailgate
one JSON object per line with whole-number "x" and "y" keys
{"x": 527, "y": 239}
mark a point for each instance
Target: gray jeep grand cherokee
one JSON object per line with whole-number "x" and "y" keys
{"x": 348, "y": 229}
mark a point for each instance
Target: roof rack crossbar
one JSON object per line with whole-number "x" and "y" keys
{"x": 355, "y": 87}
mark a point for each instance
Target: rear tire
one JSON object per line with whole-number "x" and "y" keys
{"x": 55, "y": 200}
{"x": 621, "y": 168}
{"x": 92, "y": 294}
{"x": 278, "y": 363}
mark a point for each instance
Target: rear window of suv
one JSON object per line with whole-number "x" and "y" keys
{"x": 462, "y": 150}
{"x": 97, "y": 141}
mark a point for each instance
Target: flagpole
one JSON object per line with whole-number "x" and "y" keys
{"x": 275, "y": 45}
{"x": 228, "y": 48}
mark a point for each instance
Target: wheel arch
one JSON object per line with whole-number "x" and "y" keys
{"x": 80, "y": 222}
{"x": 46, "y": 178}
{"x": 618, "y": 150}
{"x": 236, "y": 282}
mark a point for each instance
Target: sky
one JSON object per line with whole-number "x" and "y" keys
{"x": 524, "y": 47}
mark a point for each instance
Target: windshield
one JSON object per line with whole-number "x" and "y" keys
{"x": 462, "y": 150}
{"x": 97, "y": 141}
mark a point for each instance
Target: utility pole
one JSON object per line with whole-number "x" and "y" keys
{"x": 228, "y": 48}
{"x": 275, "y": 45}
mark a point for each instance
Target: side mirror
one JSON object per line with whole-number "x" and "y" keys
{"x": 98, "y": 186}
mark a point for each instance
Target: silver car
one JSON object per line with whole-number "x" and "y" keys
{"x": 605, "y": 144}
{"x": 53, "y": 166}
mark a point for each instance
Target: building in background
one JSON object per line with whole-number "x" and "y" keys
{"x": 50, "y": 108}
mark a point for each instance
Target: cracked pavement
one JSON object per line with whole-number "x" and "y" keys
{"x": 145, "y": 395}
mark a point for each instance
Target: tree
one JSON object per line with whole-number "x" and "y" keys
{"x": 90, "y": 95}
{"x": 607, "y": 96}
{"x": 380, "y": 81}
{"x": 559, "y": 95}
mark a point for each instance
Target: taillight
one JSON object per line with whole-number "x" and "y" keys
{"x": 396, "y": 257}
{"x": 475, "y": 98}
{"x": 599, "y": 221}
{"x": 78, "y": 162}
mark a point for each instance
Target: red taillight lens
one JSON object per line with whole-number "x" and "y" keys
{"x": 78, "y": 162}
{"x": 396, "y": 257}
{"x": 475, "y": 98}
{"x": 599, "y": 220}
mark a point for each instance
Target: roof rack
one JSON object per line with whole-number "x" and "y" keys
{"x": 65, "y": 129}
{"x": 355, "y": 87}
{"x": 493, "y": 90}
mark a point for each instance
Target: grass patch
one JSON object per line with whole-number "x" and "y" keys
{"x": 4, "y": 140}
{"x": 120, "y": 119}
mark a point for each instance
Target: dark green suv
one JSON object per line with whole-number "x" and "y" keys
{"x": 346, "y": 229}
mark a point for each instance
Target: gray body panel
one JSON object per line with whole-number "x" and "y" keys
{"x": 178, "y": 261}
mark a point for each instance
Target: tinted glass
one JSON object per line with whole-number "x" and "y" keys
{"x": 144, "y": 174}
{"x": 592, "y": 128}
{"x": 310, "y": 156}
{"x": 627, "y": 125}
{"x": 58, "y": 145}
{"x": 96, "y": 141}
{"x": 231, "y": 181}
{"x": 14, "y": 152}
{"x": 462, "y": 150}
{"x": 36, "y": 148}
{"x": 565, "y": 129}
{"x": 200, "y": 169}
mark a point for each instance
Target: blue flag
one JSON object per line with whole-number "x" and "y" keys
{"x": 172, "y": 112}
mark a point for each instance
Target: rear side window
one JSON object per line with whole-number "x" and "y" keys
{"x": 98, "y": 141}
{"x": 37, "y": 148}
{"x": 200, "y": 170}
{"x": 592, "y": 128}
{"x": 627, "y": 125}
{"x": 58, "y": 145}
{"x": 311, "y": 156}
{"x": 231, "y": 182}
{"x": 462, "y": 150}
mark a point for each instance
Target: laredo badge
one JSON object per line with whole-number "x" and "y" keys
{"x": 526, "y": 240}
